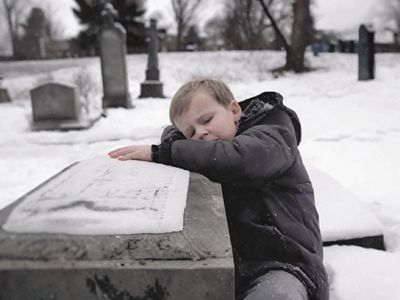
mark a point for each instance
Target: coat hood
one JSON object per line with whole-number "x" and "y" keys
{"x": 265, "y": 103}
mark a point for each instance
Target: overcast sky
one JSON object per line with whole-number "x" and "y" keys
{"x": 329, "y": 14}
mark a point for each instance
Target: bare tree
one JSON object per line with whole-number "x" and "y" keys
{"x": 12, "y": 11}
{"x": 184, "y": 14}
{"x": 301, "y": 34}
{"x": 255, "y": 27}
{"x": 244, "y": 26}
{"x": 392, "y": 16}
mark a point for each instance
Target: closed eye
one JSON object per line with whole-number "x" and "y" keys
{"x": 207, "y": 120}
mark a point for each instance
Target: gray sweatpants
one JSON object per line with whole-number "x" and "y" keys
{"x": 275, "y": 285}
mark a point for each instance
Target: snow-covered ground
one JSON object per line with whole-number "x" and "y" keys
{"x": 351, "y": 131}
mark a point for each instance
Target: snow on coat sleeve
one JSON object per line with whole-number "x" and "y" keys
{"x": 260, "y": 152}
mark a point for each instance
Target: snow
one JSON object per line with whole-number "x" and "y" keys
{"x": 332, "y": 200}
{"x": 88, "y": 198}
{"x": 359, "y": 273}
{"x": 351, "y": 132}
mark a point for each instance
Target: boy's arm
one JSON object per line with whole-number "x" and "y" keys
{"x": 260, "y": 152}
{"x": 144, "y": 152}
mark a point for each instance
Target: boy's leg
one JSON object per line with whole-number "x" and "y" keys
{"x": 276, "y": 285}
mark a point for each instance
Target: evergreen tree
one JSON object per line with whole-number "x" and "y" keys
{"x": 129, "y": 14}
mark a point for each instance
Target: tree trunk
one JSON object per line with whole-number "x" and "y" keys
{"x": 301, "y": 31}
{"x": 179, "y": 36}
{"x": 11, "y": 30}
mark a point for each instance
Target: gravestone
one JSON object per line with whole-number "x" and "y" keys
{"x": 152, "y": 86}
{"x": 79, "y": 235}
{"x": 112, "y": 39}
{"x": 357, "y": 226}
{"x": 366, "y": 53}
{"x": 351, "y": 46}
{"x": 56, "y": 106}
{"x": 4, "y": 96}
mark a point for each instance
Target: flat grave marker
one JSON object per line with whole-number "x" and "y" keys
{"x": 193, "y": 262}
{"x": 344, "y": 220}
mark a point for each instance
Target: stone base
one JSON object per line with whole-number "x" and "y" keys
{"x": 118, "y": 101}
{"x": 178, "y": 280}
{"x": 64, "y": 125}
{"x": 4, "y": 97}
{"x": 151, "y": 89}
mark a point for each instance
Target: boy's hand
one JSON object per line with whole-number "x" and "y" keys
{"x": 136, "y": 152}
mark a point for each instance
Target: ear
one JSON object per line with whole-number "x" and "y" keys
{"x": 236, "y": 110}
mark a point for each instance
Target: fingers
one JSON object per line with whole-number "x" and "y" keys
{"x": 135, "y": 152}
{"x": 130, "y": 155}
{"x": 121, "y": 151}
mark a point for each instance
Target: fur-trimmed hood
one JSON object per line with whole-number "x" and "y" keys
{"x": 257, "y": 107}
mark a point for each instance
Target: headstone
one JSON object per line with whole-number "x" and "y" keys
{"x": 341, "y": 46}
{"x": 366, "y": 53}
{"x": 56, "y": 106}
{"x": 4, "y": 96}
{"x": 190, "y": 261}
{"x": 112, "y": 39}
{"x": 351, "y": 46}
{"x": 316, "y": 48}
{"x": 358, "y": 226}
{"x": 152, "y": 86}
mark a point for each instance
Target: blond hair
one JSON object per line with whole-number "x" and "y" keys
{"x": 181, "y": 101}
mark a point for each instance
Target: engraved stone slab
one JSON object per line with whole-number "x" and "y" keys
{"x": 85, "y": 199}
{"x": 194, "y": 263}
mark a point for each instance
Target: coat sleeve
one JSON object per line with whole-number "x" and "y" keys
{"x": 260, "y": 152}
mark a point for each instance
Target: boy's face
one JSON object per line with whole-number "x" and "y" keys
{"x": 208, "y": 120}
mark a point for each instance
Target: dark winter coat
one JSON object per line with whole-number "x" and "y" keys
{"x": 268, "y": 195}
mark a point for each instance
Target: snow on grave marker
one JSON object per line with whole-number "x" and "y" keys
{"x": 87, "y": 199}
{"x": 99, "y": 196}
{"x": 343, "y": 218}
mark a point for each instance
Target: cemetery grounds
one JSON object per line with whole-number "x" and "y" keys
{"x": 351, "y": 131}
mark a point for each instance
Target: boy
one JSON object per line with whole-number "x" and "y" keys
{"x": 251, "y": 149}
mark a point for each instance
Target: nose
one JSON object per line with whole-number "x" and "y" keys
{"x": 201, "y": 134}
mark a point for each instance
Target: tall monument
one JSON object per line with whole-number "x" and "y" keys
{"x": 152, "y": 86}
{"x": 112, "y": 40}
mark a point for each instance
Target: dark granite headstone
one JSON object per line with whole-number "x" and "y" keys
{"x": 57, "y": 106}
{"x": 112, "y": 41}
{"x": 4, "y": 96}
{"x": 152, "y": 86}
{"x": 366, "y": 54}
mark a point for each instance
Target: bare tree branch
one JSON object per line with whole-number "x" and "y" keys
{"x": 12, "y": 11}
{"x": 278, "y": 32}
{"x": 184, "y": 13}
